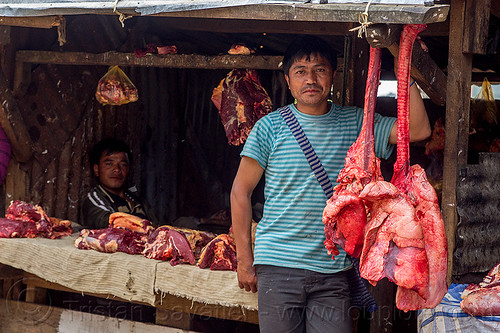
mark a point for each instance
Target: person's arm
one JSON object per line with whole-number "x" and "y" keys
{"x": 420, "y": 128}
{"x": 247, "y": 178}
{"x": 94, "y": 214}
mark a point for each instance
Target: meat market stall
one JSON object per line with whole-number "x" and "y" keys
{"x": 54, "y": 53}
{"x": 134, "y": 278}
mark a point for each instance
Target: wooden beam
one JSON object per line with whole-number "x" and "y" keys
{"x": 171, "y": 318}
{"x": 10, "y": 272}
{"x": 477, "y": 14}
{"x": 13, "y": 123}
{"x": 167, "y": 60}
{"x": 16, "y": 184}
{"x": 424, "y": 70}
{"x": 254, "y": 26}
{"x": 457, "y": 122}
{"x": 36, "y": 294}
{"x": 46, "y": 22}
{"x": 18, "y": 316}
{"x": 170, "y": 302}
{"x": 319, "y": 13}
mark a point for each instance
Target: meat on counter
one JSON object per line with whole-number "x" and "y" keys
{"x": 26, "y": 220}
{"x": 483, "y": 299}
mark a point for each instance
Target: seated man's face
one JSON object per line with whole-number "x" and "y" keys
{"x": 112, "y": 171}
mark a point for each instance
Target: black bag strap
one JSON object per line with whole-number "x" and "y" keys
{"x": 360, "y": 295}
{"x": 308, "y": 150}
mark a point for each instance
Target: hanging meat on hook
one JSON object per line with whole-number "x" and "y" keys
{"x": 240, "y": 99}
{"x": 404, "y": 238}
{"x": 345, "y": 215}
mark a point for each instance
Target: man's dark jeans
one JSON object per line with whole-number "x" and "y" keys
{"x": 299, "y": 300}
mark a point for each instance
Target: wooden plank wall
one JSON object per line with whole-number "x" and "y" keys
{"x": 182, "y": 161}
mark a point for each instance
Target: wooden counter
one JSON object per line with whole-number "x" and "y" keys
{"x": 57, "y": 265}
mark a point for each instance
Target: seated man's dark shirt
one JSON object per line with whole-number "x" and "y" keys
{"x": 100, "y": 204}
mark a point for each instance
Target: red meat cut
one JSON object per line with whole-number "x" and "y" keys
{"x": 483, "y": 299}
{"x": 110, "y": 240}
{"x": 197, "y": 239}
{"x": 241, "y": 101}
{"x": 27, "y": 220}
{"x": 344, "y": 215}
{"x": 23, "y": 211}
{"x": 126, "y": 233}
{"x": 168, "y": 244}
{"x": 219, "y": 254}
{"x": 129, "y": 222}
{"x": 17, "y": 229}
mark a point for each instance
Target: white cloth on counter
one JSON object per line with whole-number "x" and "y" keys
{"x": 133, "y": 278}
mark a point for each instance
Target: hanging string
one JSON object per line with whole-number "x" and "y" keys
{"x": 61, "y": 30}
{"x": 363, "y": 20}
{"x": 122, "y": 17}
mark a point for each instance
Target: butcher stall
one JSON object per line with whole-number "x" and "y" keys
{"x": 58, "y": 264}
{"x": 180, "y": 59}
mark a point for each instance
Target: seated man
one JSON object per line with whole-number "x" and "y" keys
{"x": 110, "y": 159}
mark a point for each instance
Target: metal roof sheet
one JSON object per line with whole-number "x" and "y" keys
{"x": 17, "y": 8}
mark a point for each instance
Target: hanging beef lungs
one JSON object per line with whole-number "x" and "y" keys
{"x": 405, "y": 238}
{"x": 345, "y": 215}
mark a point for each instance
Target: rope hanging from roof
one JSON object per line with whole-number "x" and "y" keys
{"x": 122, "y": 16}
{"x": 61, "y": 31}
{"x": 363, "y": 20}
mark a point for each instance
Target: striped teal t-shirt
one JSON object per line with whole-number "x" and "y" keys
{"x": 290, "y": 233}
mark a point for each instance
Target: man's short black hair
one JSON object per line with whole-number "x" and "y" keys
{"x": 109, "y": 145}
{"x": 306, "y": 46}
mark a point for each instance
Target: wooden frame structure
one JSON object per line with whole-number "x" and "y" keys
{"x": 468, "y": 20}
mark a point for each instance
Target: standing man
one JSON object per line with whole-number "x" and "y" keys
{"x": 301, "y": 289}
{"x": 110, "y": 160}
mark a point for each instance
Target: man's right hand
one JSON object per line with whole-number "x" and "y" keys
{"x": 247, "y": 278}
{"x": 248, "y": 176}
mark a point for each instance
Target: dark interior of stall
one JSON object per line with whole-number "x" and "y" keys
{"x": 183, "y": 163}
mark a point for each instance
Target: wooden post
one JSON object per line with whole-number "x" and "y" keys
{"x": 35, "y": 294}
{"x": 359, "y": 66}
{"x": 13, "y": 123}
{"x": 477, "y": 14}
{"x": 457, "y": 121}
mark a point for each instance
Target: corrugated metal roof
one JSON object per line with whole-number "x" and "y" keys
{"x": 17, "y": 8}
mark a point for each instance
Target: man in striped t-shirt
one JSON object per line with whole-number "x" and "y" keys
{"x": 301, "y": 289}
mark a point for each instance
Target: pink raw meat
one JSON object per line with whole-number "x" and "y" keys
{"x": 410, "y": 208}
{"x": 345, "y": 215}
